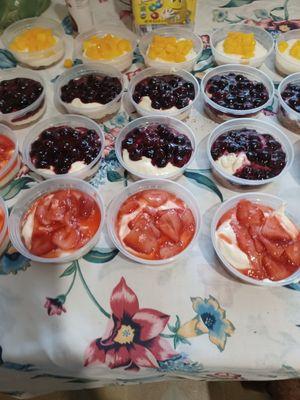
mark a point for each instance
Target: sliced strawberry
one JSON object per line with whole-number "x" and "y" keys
{"x": 293, "y": 252}
{"x": 247, "y": 213}
{"x": 66, "y": 238}
{"x": 142, "y": 219}
{"x": 274, "y": 249}
{"x": 41, "y": 244}
{"x": 276, "y": 270}
{"x": 155, "y": 197}
{"x": 141, "y": 240}
{"x": 169, "y": 223}
{"x": 86, "y": 205}
{"x": 254, "y": 231}
{"x": 42, "y": 212}
{"x": 187, "y": 218}
{"x": 272, "y": 230}
{"x": 130, "y": 206}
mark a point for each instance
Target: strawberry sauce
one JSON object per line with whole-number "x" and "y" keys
{"x": 155, "y": 224}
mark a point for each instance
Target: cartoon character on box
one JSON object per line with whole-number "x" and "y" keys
{"x": 176, "y": 11}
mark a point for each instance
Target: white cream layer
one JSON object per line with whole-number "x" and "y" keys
{"x": 232, "y": 162}
{"x": 76, "y": 166}
{"x": 285, "y": 62}
{"x": 259, "y": 51}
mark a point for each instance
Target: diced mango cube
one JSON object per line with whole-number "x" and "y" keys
{"x": 295, "y": 50}
{"x": 240, "y": 43}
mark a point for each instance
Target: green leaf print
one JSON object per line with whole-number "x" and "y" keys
{"x": 100, "y": 256}
{"x": 69, "y": 271}
{"x": 238, "y": 3}
{"x": 114, "y": 176}
{"x": 203, "y": 180}
{"x": 11, "y": 190}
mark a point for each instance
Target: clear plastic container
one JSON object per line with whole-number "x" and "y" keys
{"x": 162, "y": 184}
{"x": 179, "y": 126}
{"x": 4, "y": 237}
{"x": 99, "y": 111}
{"x": 220, "y": 114}
{"x": 11, "y": 169}
{"x": 260, "y": 127}
{"x": 31, "y": 195}
{"x": 179, "y": 33}
{"x": 122, "y": 62}
{"x": 285, "y": 114}
{"x": 30, "y": 113}
{"x": 70, "y": 120}
{"x": 36, "y": 59}
{"x": 180, "y": 113}
{"x": 284, "y": 63}
{"x": 261, "y": 36}
{"x": 260, "y": 198}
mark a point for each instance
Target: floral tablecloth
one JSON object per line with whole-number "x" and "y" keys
{"x": 191, "y": 319}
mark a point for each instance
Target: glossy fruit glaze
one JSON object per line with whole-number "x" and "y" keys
{"x": 159, "y": 142}
{"x": 58, "y": 147}
{"x": 291, "y": 95}
{"x": 236, "y": 92}
{"x": 7, "y": 148}
{"x": 165, "y": 91}
{"x": 62, "y": 222}
{"x": 18, "y": 93}
{"x": 2, "y": 220}
{"x": 263, "y": 151}
{"x": 272, "y": 252}
{"x": 91, "y": 88}
{"x": 155, "y": 224}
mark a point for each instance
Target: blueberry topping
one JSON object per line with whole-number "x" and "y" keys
{"x": 18, "y": 93}
{"x": 59, "y": 147}
{"x": 160, "y": 143}
{"x": 291, "y": 95}
{"x": 165, "y": 91}
{"x": 91, "y": 88}
{"x": 265, "y": 153}
{"x": 236, "y": 92}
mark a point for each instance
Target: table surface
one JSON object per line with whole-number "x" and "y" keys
{"x": 52, "y": 317}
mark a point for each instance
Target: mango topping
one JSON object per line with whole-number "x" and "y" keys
{"x": 106, "y": 47}
{"x": 33, "y": 39}
{"x": 168, "y": 48}
{"x": 240, "y": 43}
{"x": 295, "y": 50}
{"x": 282, "y": 46}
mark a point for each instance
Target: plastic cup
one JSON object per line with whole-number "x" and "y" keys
{"x": 180, "y": 113}
{"x": 285, "y": 114}
{"x": 221, "y": 114}
{"x": 101, "y": 110}
{"x": 31, "y": 195}
{"x": 30, "y": 113}
{"x": 4, "y": 238}
{"x": 260, "y": 127}
{"x": 122, "y": 62}
{"x": 261, "y": 36}
{"x": 36, "y": 59}
{"x": 11, "y": 169}
{"x": 162, "y": 184}
{"x": 177, "y": 125}
{"x": 179, "y": 33}
{"x": 73, "y": 121}
{"x": 285, "y": 65}
{"x": 260, "y": 198}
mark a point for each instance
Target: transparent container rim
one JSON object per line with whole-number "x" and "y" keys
{"x": 54, "y": 121}
{"x": 5, "y": 224}
{"x": 248, "y": 182}
{"x": 289, "y": 78}
{"x": 113, "y": 209}
{"x": 94, "y": 68}
{"x": 151, "y": 70}
{"x": 226, "y": 110}
{"x": 4, "y": 129}
{"x": 38, "y": 188}
{"x": 218, "y": 214}
{"x": 23, "y": 73}
{"x": 32, "y": 20}
{"x": 179, "y": 29}
{"x": 234, "y": 26}
{"x": 103, "y": 30}
{"x": 280, "y": 38}
{"x": 144, "y": 121}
